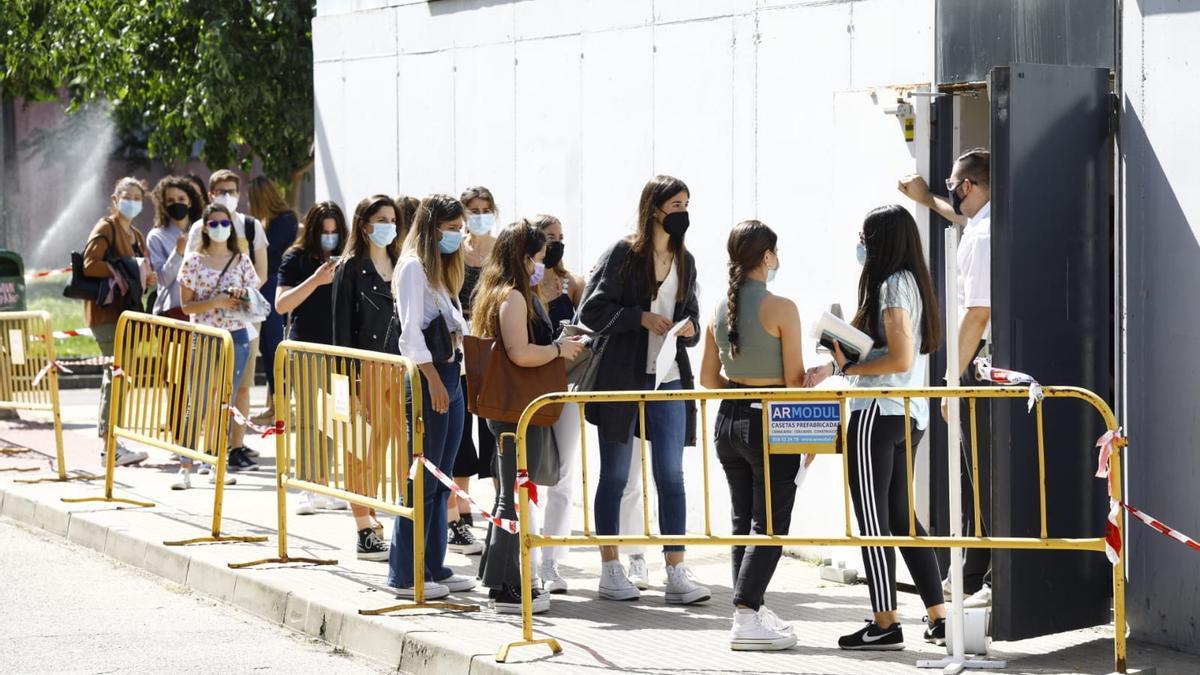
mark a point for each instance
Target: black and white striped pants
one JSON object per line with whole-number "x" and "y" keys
{"x": 879, "y": 491}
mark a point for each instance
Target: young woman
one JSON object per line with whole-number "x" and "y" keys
{"x": 898, "y": 308}
{"x": 506, "y": 307}
{"x": 560, "y": 292}
{"x": 642, "y": 287}
{"x": 481, "y": 214}
{"x": 114, "y": 234}
{"x": 305, "y": 291}
{"x": 177, "y": 206}
{"x": 753, "y": 342}
{"x": 213, "y": 282}
{"x": 426, "y": 285}
{"x": 362, "y": 307}
{"x": 280, "y": 221}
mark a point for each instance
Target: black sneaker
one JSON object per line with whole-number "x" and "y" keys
{"x": 468, "y": 518}
{"x": 935, "y": 631}
{"x": 370, "y": 546}
{"x": 238, "y": 461}
{"x": 874, "y": 638}
{"x": 507, "y": 600}
{"x": 462, "y": 540}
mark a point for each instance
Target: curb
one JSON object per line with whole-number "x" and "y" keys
{"x": 389, "y": 641}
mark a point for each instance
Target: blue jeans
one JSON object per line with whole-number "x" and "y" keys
{"x": 667, "y": 422}
{"x": 443, "y": 431}
{"x": 194, "y": 425}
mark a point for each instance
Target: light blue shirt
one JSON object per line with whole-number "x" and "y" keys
{"x": 900, "y": 291}
{"x": 166, "y": 263}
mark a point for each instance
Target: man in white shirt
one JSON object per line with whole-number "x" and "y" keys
{"x": 970, "y": 203}
{"x": 223, "y": 188}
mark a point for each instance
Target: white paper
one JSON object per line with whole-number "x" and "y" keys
{"x": 339, "y": 386}
{"x": 666, "y": 355}
{"x": 16, "y": 345}
{"x": 802, "y": 471}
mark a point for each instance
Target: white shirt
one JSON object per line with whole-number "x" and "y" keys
{"x": 663, "y": 305}
{"x": 239, "y": 229}
{"x": 975, "y": 264}
{"x": 418, "y": 303}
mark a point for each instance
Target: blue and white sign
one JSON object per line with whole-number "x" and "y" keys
{"x": 804, "y": 427}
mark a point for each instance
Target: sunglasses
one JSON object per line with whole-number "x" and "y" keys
{"x": 219, "y": 223}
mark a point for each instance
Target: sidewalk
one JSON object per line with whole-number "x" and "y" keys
{"x": 597, "y": 636}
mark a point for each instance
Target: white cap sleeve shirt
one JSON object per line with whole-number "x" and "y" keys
{"x": 418, "y": 303}
{"x": 663, "y": 305}
{"x": 975, "y": 265}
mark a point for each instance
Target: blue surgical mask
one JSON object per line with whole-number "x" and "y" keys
{"x": 771, "y": 274}
{"x": 539, "y": 273}
{"x": 383, "y": 234}
{"x": 130, "y": 208}
{"x": 861, "y": 254}
{"x": 451, "y": 240}
{"x": 220, "y": 234}
{"x": 330, "y": 241}
{"x": 481, "y": 223}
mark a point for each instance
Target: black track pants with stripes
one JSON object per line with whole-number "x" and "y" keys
{"x": 879, "y": 491}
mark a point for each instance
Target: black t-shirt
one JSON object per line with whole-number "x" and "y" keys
{"x": 312, "y": 320}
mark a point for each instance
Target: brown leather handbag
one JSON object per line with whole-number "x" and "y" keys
{"x": 500, "y": 390}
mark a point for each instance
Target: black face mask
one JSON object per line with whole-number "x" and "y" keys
{"x": 554, "y": 254}
{"x": 676, "y": 224}
{"x": 177, "y": 211}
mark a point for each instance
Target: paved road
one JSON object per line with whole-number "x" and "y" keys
{"x": 65, "y": 609}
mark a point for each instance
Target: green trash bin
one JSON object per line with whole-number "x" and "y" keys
{"x": 12, "y": 281}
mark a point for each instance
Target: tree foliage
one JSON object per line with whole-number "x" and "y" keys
{"x": 232, "y": 78}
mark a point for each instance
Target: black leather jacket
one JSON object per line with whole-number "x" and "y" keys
{"x": 362, "y": 306}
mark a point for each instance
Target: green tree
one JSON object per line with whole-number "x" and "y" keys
{"x": 232, "y": 78}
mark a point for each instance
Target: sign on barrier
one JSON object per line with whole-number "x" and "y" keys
{"x": 347, "y": 434}
{"x": 171, "y": 389}
{"x": 808, "y": 427}
{"x": 782, "y": 424}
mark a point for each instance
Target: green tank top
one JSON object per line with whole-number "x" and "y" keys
{"x": 760, "y": 354}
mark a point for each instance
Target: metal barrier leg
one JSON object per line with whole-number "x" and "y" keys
{"x": 110, "y": 457}
{"x": 527, "y": 563}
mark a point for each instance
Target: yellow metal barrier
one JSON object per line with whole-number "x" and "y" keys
{"x": 347, "y": 437}
{"x": 29, "y": 379}
{"x": 172, "y": 381}
{"x": 530, "y": 540}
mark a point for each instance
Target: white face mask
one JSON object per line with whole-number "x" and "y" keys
{"x": 228, "y": 201}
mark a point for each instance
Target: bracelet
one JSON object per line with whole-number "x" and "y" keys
{"x": 836, "y": 369}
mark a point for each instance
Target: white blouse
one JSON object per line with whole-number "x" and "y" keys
{"x": 663, "y": 305}
{"x": 418, "y": 303}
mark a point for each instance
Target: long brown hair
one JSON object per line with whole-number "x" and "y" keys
{"x": 504, "y": 272}
{"x": 894, "y": 245}
{"x": 406, "y": 211}
{"x": 309, "y": 237}
{"x": 266, "y": 201}
{"x": 658, "y": 191}
{"x": 748, "y": 242}
{"x": 422, "y": 242}
{"x": 358, "y": 244}
{"x": 195, "y": 205}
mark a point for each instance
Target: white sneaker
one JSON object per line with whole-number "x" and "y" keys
{"x": 682, "y": 588}
{"x": 433, "y": 591}
{"x": 751, "y": 633}
{"x": 306, "y": 507}
{"x": 230, "y": 479}
{"x": 125, "y": 456}
{"x": 336, "y": 504}
{"x": 183, "y": 481}
{"x": 639, "y": 575}
{"x": 947, "y": 593}
{"x": 204, "y": 469}
{"x": 614, "y": 584}
{"x": 981, "y": 598}
{"x": 552, "y": 581}
{"x": 457, "y": 583}
{"x": 770, "y": 620}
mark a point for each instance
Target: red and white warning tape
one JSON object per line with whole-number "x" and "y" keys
{"x": 984, "y": 371}
{"x": 39, "y": 275}
{"x": 37, "y": 379}
{"x": 503, "y": 523}
{"x": 241, "y": 419}
{"x": 64, "y": 334}
{"x": 1108, "y": 444}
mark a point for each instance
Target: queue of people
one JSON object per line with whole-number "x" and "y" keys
{"x": 414, "y": 277}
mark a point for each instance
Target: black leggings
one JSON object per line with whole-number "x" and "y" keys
{"x": 879, "y": 490}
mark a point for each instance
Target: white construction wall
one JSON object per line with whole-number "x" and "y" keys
{"x": 767, "y": 109}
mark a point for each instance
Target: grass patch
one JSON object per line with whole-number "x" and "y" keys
{"x": 66, "y": 314}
